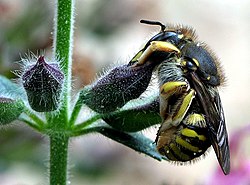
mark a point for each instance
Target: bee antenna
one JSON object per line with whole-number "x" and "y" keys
{"x": 154, "y": 23}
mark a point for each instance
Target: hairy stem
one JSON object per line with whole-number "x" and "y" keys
{"x": 58, "y": 160}
{"x": 63, "y": 44}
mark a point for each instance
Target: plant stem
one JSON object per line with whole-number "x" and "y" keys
{"x": 58, "y": 160}
{"x": 63, "y": 44}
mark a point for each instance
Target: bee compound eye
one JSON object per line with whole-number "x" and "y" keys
{"x": 191, "y": 66}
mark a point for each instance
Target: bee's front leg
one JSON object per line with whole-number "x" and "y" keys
{"x": 142, "y": 56}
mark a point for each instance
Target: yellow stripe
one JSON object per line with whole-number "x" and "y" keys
{"x": 185, "y": 144}
{"x": 172, "y": 87}
{"x": 185, "y": 105}
{"x": 196, "y": 62}
{"x": 191, "y": 133}
{"x": 178, "y": 152}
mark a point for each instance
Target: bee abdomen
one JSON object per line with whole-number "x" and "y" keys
{"x": 189, "y": 142}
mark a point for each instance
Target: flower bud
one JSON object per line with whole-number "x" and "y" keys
{"x": 9, "y": 110}
{"x": 116, "y": 88}
{"x": 43, "y": 83}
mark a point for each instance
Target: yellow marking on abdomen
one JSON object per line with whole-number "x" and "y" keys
{"x": 191, "y": 133}
{"x": 178, "y": 152}
{"x": 185, "y": 144}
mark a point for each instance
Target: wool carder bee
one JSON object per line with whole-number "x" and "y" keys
{"x": 190, "y": 106}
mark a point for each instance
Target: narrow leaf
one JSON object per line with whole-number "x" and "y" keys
{"x": 136, "y": 141}
{"x": 138, "y": 116}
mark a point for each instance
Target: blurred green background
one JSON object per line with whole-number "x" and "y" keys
{"x": 106, "y": 33}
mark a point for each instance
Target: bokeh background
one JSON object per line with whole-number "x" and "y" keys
{"x": 106, "y": 33}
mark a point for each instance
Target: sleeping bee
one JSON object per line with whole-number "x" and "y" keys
{"x": 190, "y": 105}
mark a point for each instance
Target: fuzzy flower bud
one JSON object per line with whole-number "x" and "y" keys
{"x": 43, "y": 83}
{"x": 9, "y": 110}
{"x": 115, "y": 89}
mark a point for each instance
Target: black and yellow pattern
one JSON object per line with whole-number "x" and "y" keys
{"x": 190, "y": 105}
{"x": 188, "y": 142}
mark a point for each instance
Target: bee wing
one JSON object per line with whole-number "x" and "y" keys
{"x": 214, "y": 115}
{"x": 222, "y": 138}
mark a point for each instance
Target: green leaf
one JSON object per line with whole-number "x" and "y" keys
{"x": 135, "y": 116}
{"x": 10, "y": 110}
{"x": 136, "y": 141}
{"x": 10, "y": 89}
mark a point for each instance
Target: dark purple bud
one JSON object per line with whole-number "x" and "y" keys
{"x": 43, "y": 83}
{"x": 115, "y": 89}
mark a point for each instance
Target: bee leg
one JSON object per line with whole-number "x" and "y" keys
{"x": 182, "y": 106}
{"x": 167, "y": 90}
{"x": 173, "y": 87}
{"x": 172, "y": 116}
{"x": 154, "y": 46}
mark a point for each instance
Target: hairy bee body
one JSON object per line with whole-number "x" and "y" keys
{"x": 188, "y": 140}
{"x": 185, "y": 142}
{"x": 190, "y": 105}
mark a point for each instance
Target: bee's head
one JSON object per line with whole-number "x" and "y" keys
{"x": 198, "y": 58}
